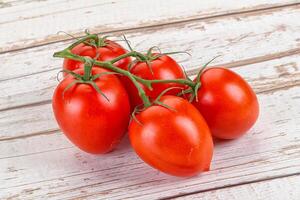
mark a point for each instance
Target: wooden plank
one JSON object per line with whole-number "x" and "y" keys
{"x": 271, "y": 149}
{"x": 46, "y": 18}
{"x": 276, "y": 189}
{"x": 13, "y": 4}
{"x": 34, "y": 77}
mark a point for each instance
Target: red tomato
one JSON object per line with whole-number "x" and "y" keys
{"x": 87, "y": 118}
{"x": 227, "y": 103}
{"x": 108, "y": 52}
{"x": 163, "y": 68}
{"x": 175, "y": 142}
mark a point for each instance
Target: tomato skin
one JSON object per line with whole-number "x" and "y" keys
{"x": 175, "y": 142}
{"x": 87, "y": 118}
{"x": 227, "y": 102}
{"x": 163, "y": 68}
{"x": 108, "y": 52}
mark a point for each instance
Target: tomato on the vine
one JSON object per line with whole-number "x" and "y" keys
{"x": 174, "y": 139}
{"x": 227, "y": 102}
{"x": 107, "y": 51}
{"x": 93, "y": 121}
{"x": 161, "y": 68}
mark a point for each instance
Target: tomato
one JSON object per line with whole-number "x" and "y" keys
{"x": 227, "y": 103}
{"x": 86, "y": 117}
{"x": 108, "y": 52}
{"x": 163, "y": 68}
{"x": 177, "y": 142}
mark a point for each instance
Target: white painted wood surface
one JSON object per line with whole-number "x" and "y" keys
{"x": 46, "y": 18}
{"x": 258, "y": 39}
{"x": 276, "y": 189}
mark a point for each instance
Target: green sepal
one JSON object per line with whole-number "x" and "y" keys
{"x": 95, "y": 86}
{"x": 69, "y": 86}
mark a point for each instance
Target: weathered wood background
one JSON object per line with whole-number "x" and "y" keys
{"x": 258, "y": 39}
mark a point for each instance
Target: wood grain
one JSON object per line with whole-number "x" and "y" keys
{"x": 46, "y": 18}
{"x": 260, "y": 40}
{"x": 35, "y": 77}
{"x": 275, "y": 189}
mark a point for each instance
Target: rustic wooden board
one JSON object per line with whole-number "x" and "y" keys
{"x": 258, "y": 39}
{"x": 276, "y": 189}
{"x": 34, "y": 79}
{"x": 46, "y": 18}
{"x": 271, "y": 149}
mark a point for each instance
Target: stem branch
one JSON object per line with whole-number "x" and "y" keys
{"x": 66, "y": 53}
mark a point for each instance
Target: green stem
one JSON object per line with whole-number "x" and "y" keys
{"x": 131, "y": 53}
{"x": 90, "y": 36}
{"x": 87, "y": 70}
{"x": 180, "y": 81}
{"x": 142, "y": 93}
{"x": 109, "y": 65}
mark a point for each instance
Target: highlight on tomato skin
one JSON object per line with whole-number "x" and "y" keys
{"x": 86, "y": 117}
{"x": 227, "y": 102}
{"x": 177, "y": 142}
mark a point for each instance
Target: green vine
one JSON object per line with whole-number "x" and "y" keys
{"x": 90, "y": 62}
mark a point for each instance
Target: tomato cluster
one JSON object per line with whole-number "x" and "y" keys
{"x": 171, "y": 119}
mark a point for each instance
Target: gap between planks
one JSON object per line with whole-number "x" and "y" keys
{"x": 233, "y": 185}
{"x": 119, "y": 31}
{"x": 250, "y": 61}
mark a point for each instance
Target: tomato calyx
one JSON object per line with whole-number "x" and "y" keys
{"x": 87, "y": 77}
{"x": 94, "y": 41}
{"x": 193, "y": 91}
{"x": 152, "y": 55}
{"x": 97, "y": 41}
{"x": 138, "y": 109}
{"x": 158, "y": 102}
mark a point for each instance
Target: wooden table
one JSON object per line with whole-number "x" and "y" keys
{"x": 260, "y": 40}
